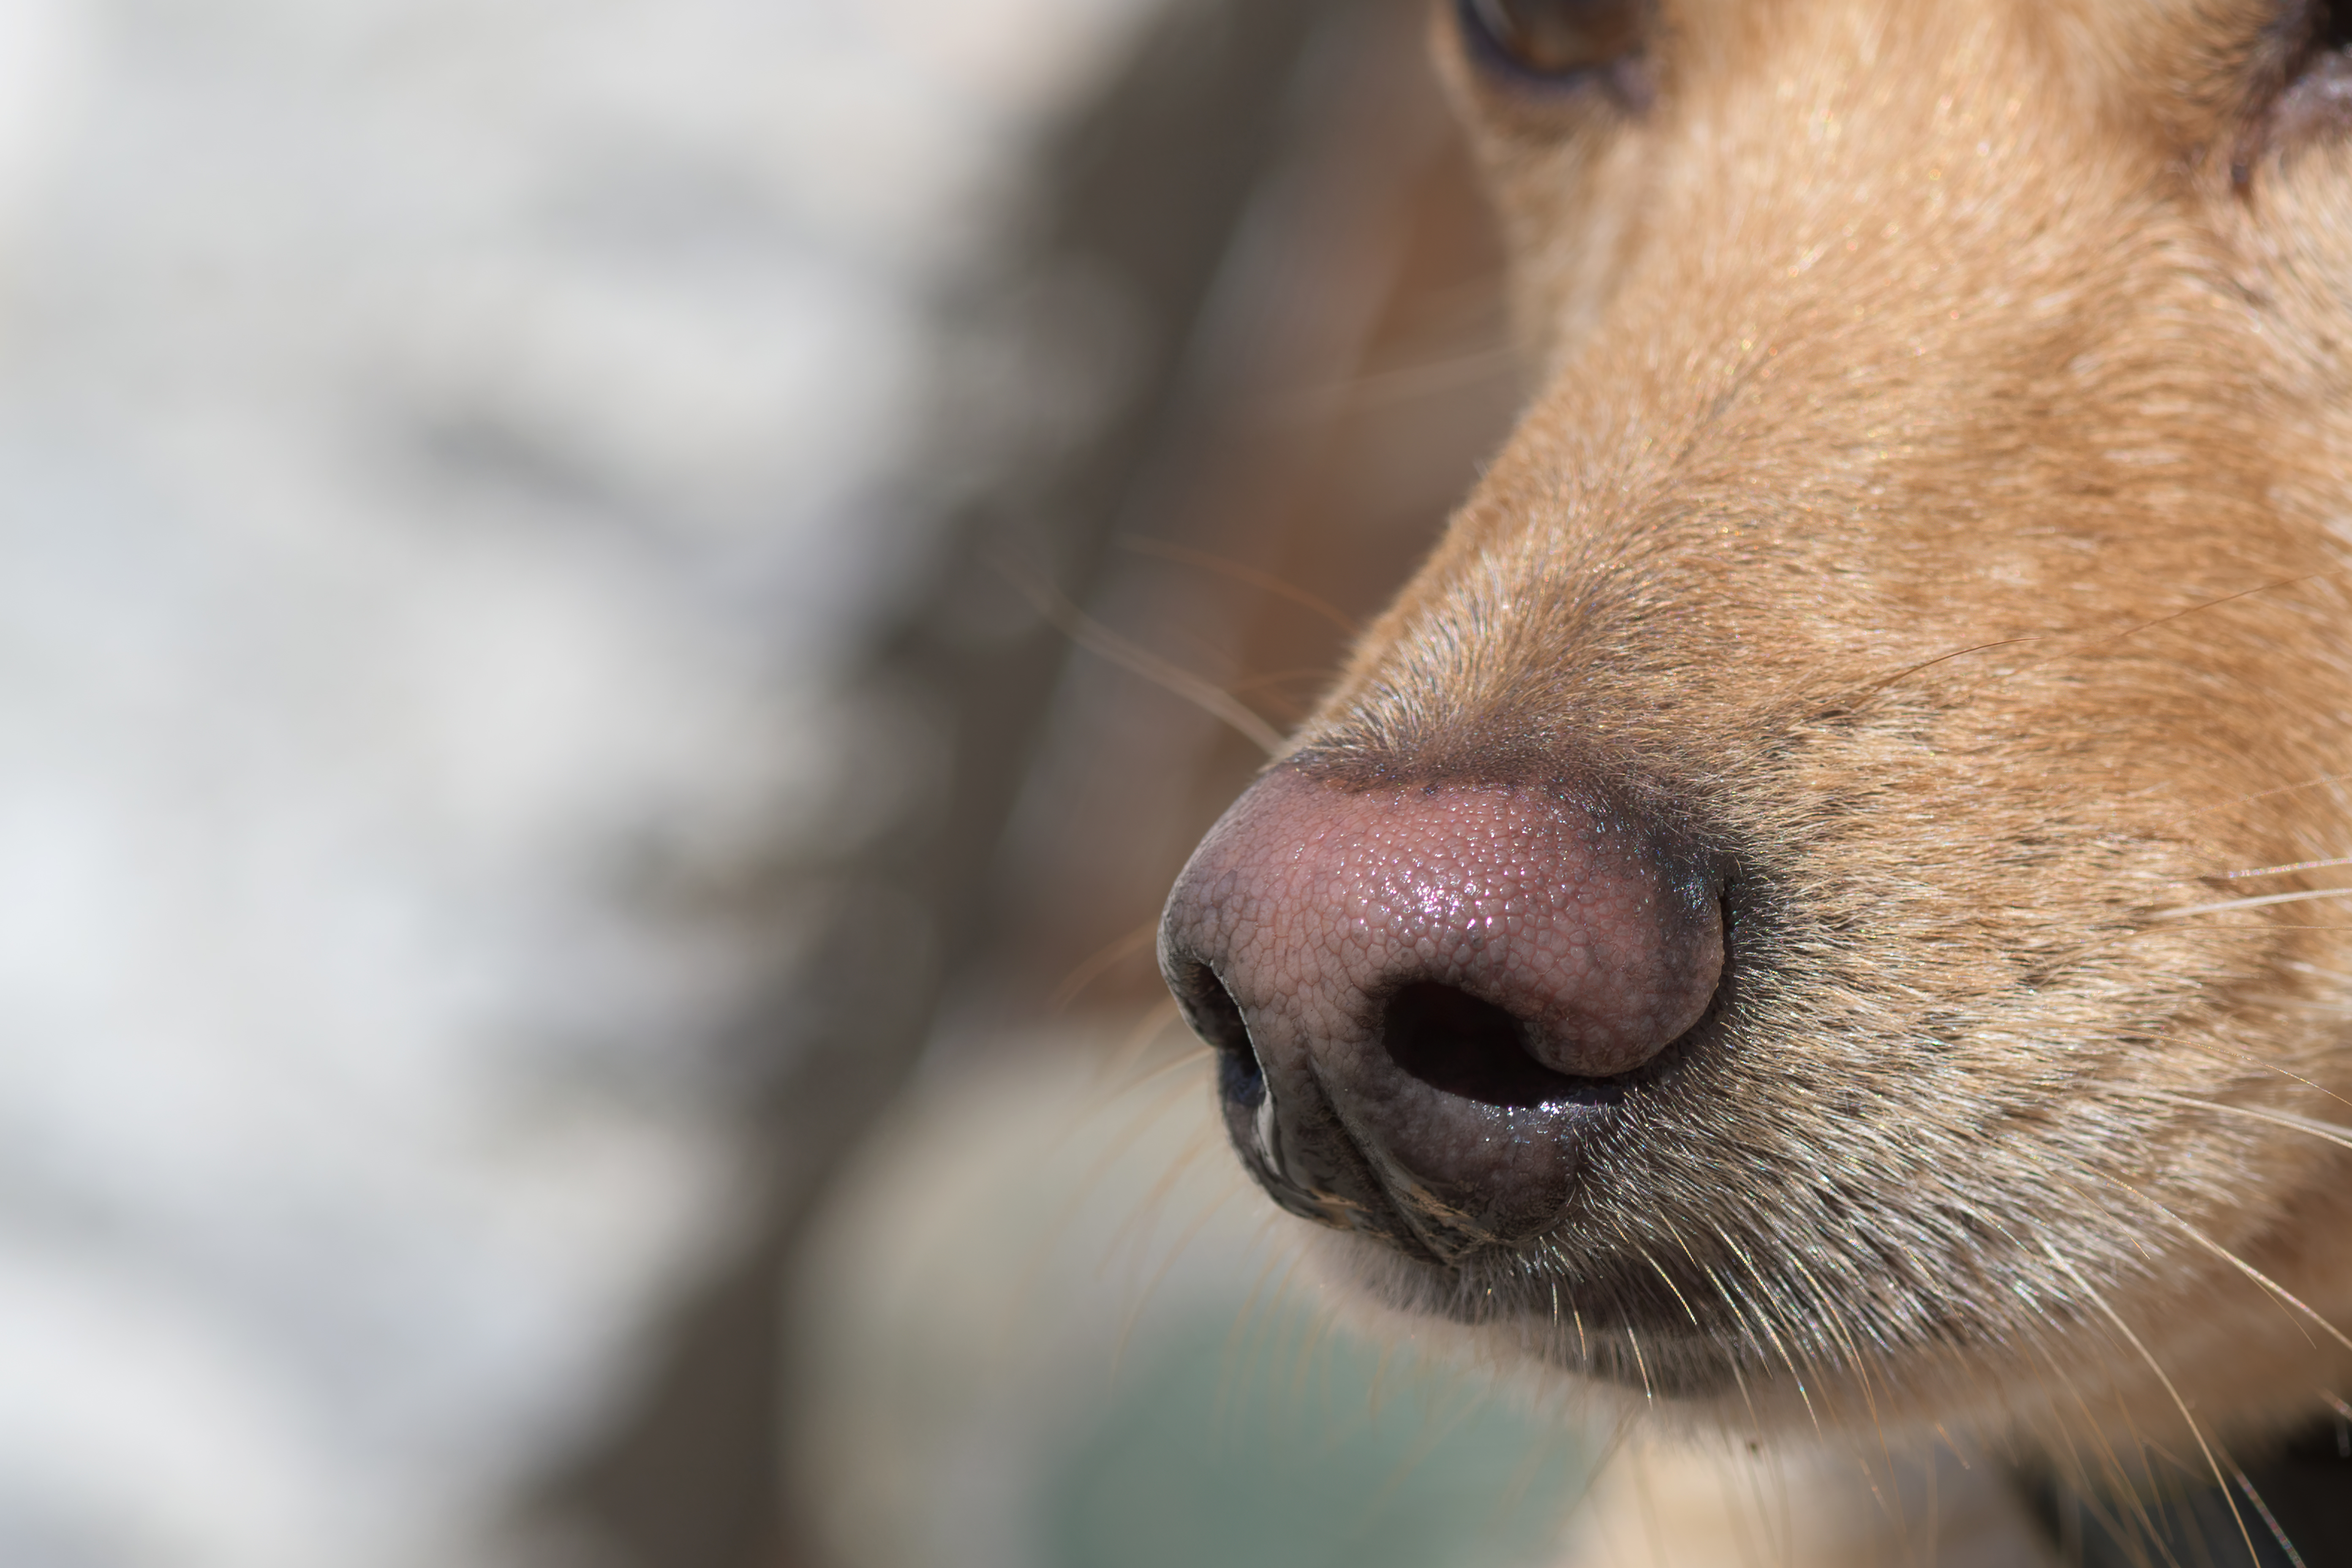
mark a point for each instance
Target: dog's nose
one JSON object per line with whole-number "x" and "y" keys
{"x": 1425, "y": 997}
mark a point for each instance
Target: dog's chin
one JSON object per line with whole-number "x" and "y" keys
{"x": 1615, "y": 1322}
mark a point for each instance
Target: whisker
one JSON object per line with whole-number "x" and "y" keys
{"x": 2277, "y": 1533}
{"x": 1877, "y": 686}
{"x": 1738, "y": 1375}
{"x": 1827, "y": 1304}
{"x": 2252, "y": 929}
{"x": 1661, "y": 1271}
{"x": 2283, "y": 1296}
{"x": 2322, "y": 781}
{"x": 1256, "y": 1335}
{"x": 1191, "y": 1057}
{"x": 1408, "y": 383}
{"x": 1156, "y": 1021}
{"x": 2341, "y": 1136}
{"x": 1104, "y": 959}
{"x": 2277, "y": 1069}
{"x": 1185, "y": 1239}
{"x": 1764, "y": 1319}
{"x": 1166, "y": 674}
{"x": 2225, "y": 599}
{"x": 2088, "y": 640}
{"x": 1648, "y": 1392}
{"x": 2283, "y": 870}
{"x": 2170, "y": 929}
{"x": 1248, "y": 576}
{"x": 2265, "y": 901}
{"x": 1143, "y": 1216}
{"x": 2100, "y": 1301}
{"x": 2086, "y": 1473}
{"x": 1306, "y": 674}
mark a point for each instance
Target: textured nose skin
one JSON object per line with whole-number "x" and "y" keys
{"x": 1421, "y": 993}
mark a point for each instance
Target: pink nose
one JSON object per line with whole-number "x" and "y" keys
{"x": 1424, "y": 995}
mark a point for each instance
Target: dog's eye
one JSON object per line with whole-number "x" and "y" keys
{"x": 2314, "y": 86}
{"x": 2331, "y": 26}
{"x": 1554, "y": 40}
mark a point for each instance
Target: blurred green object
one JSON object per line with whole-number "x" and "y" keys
{"x": 1273, "y": 1442}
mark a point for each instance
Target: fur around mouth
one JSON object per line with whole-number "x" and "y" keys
{"x": 1607, "y": 1327}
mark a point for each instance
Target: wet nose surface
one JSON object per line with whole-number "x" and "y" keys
{"x": 1424, "y": 995}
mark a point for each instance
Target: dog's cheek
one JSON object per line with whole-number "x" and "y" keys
{"x": 1570, "y": 205}
{"x": 2294, "y": 234}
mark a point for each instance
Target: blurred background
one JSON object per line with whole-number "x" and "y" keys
{"x": 615, "y": 617}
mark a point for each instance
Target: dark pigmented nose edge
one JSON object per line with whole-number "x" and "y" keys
{"x": 1211, "y": 1012}
{"x": 1298, "y": 1151}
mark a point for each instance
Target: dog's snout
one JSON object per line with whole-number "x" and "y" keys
{"x": 1425, "y": 996}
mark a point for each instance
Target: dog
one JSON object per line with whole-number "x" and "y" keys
{"x": 1823, "y": 905}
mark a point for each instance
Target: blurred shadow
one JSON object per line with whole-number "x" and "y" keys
{"x": 1148, "y": 188}
{"x": 1341, "y": 379}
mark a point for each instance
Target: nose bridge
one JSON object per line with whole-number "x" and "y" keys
{"x": 1868, "y": 261}
{"x": 1830, "y": 161}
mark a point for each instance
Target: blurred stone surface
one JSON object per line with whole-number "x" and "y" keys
{"x": 448, "y": 457}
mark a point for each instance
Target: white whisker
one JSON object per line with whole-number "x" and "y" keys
{"x": 2279, "y": 1292}
{"x": 2283, "y": 870}
{"x": 1649, "y": 1395}
{"x": 2195, "y": 1431}
{"x": 2266, "y": 898}
{"x": 2327, "y": 1130}
{"x": 2278, "y": 1532}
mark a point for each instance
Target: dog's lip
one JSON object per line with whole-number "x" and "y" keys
{"x": 1571, "y": 1266}
{"x": 1581, "y": 1327}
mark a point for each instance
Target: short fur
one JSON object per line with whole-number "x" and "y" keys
{"x": 1938, "y": 494}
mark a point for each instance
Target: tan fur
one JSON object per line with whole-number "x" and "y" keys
{"x": 1939, "y": 477}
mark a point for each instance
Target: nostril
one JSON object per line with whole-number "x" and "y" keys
{"x": 1462, "y": 1046}
{"x": 1424, "y": 998}
{"x": 1241, "y": 1082}
{"x": 1216, "y": 1017}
